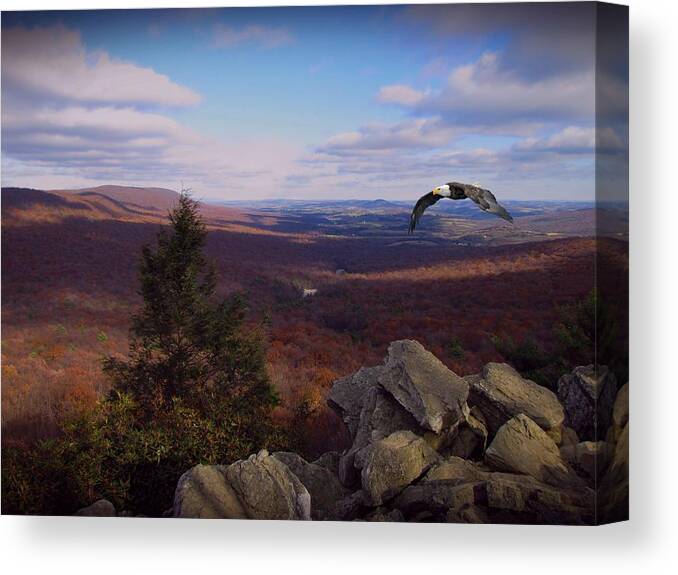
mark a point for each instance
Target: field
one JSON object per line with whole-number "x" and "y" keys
{"x": 69, "y": 281}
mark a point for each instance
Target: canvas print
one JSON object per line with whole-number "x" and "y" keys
{"x": 346, "y": 263}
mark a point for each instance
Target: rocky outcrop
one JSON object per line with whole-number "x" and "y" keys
{"x": 588, "y": 396}
{"x": 500, "y": 393}
{"x": 427, "y": 445}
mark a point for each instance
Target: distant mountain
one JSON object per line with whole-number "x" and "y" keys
{"x": 147, "y": 198}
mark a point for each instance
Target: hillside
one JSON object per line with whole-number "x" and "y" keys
{"x": 69, "y": 279}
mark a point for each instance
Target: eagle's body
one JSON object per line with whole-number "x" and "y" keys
{"x": 457, "y": 191}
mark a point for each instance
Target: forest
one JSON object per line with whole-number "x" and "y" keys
{"x": 73, "y": 289}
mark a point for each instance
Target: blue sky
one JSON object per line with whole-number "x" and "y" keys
{"x": 331, "y": 102}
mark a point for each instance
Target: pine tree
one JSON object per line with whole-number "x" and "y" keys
{"x": 184, "y": 344}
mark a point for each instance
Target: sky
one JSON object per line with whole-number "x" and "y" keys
{"x": 325, "y": 102}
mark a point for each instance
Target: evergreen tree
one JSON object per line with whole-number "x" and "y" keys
{"x": 184, "y": 344}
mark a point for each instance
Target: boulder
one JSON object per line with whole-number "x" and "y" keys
{"x": 620, "y": 413}
{"x": 384, "y": 515}
{"x": 614, "y": 488}
{"x": 330, "y": 461}
{"x": 321, "y": 483}
{"x": 568, "y": 436}
{"x": 470, "y": 438}
{"x": 501, "y": 393}
{"x": 268, "y": 489}
{"x": 587, "y": 395}
{"x": 588, "y": 458}
{"x": 420, "y": 382}
{"x": 433, "y": 500}
{"x": 351, "y": 507}
{"x": 203, "y": 492}
{"x": 381, "y": 415}
{"x": 347, "y": 395}
{"x": 521, "y": 446}
{"x": 514, "y": 498}
{"x": 391, "y": 464}
{"x": 455, "y": 469}
{"x": 100, "y": 508}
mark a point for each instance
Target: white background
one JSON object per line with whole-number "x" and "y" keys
{"x": 647, "y": 544}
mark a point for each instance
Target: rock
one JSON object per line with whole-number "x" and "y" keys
{"x": 382, "y": 514}
{"x": 268, "y": 489}
{"x": 351, "y": 507}
{"x": 420, "y": 382}
{"x": 471, "y": 437}
{"x": 455, "y": 469}
{"x": 614, "y": 488}
{"x": 321, "y": 483}
{"x": 391, "y": 464}
{"x": 587, "y": 396}
{"x": 347, "y": 395}
{"x": 620, "y": 413}
{"x": 521, "y": 446}
{"x": 589, "y": 459}
{"x": 568, "y": 436}
{"x": 330, "y": 461}
{"x": 100, "y": 508}
{"x": 501, "y": 393}
{"x": 468, "y": 514}
{"x": 203, "y": 492}
{"x": 519, "y": 498}
{"x": 431, "y": 501}
{"x": 381, "y": 415}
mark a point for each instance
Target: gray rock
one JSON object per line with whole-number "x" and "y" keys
{"x": 391, "y": 464}
{"x": 381, "y": 415}
{"x": 330, "y": 461}
{"x": 433, "y": 500}
{"x": 351, "y": 507}
{"x": 268, "y": 489}
{"x": 521, "y": 446}
{"x": 347, "y": 395}
{"x": 588, "y": 458}
{"x": 203, "y": 492}
{"x": 382, "y": 514}
{"x": 519, "y": 498}
{"x": 587, "y": 396}
{"x": 501, "y": 393}
{"x": 614, "y": 487}
{"x": 620, "y": 413}
{"x": 321, "y": 483}
{"x": 420, "y": 382}
{"x": 100, "y": 508}
{"x": 455, "y": 469}
{"x": 470, "y": 439}
{"x": 568, "y": 436}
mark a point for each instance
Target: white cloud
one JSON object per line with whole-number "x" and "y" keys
{"x": 52, "y": 62}
{"x": 400, "y": 94}
{"x": 413, "y": 133}
{"x": 575, "y": 140}
{"x": 106, "y": 121}
{"x": 226, "y": 36}
{"x": 485, "y": 93}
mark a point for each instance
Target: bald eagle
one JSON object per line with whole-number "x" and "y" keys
{"x": 456, "y": 191}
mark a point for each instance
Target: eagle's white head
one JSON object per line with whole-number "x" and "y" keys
{"x": 441, "y": 191}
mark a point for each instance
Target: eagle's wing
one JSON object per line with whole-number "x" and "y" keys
{"x": 421, "y": 205}
{"x": 487, "y": 202}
